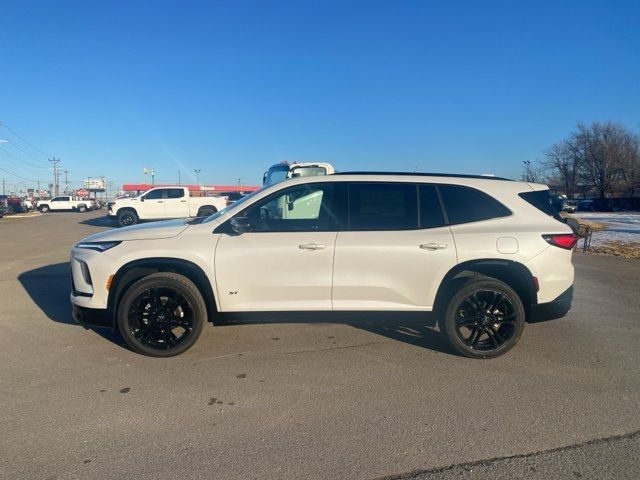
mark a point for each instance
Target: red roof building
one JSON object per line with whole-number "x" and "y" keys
{"x": 206, "y": 189}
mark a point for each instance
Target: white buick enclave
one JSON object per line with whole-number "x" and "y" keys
{"x": 483, "y": 254}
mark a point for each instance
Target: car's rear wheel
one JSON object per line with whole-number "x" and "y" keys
{"x": 161, "y": 315}
{"x": 82, "y": 208}
{"x": 127, "y": 218}
{"x": 483, "y": 319}
{"x": 206, "y": 211}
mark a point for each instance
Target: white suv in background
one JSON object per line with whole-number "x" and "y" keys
{"x": 483, "y": 254}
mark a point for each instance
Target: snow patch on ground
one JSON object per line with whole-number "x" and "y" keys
{"x": 621, "y": 227}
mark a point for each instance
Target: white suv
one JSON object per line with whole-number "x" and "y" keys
{"x": 484, "y": 254}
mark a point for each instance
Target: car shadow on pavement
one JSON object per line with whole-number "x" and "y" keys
{"x": 414, "y": 328}
{"x": 49, "y": 288}
{"x": 103, "y": 221}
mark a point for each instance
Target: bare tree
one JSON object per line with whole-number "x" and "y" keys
{"x": 630, "y": 167}
{"x": 605, "y": 148}
{"x": 564, "y": 160}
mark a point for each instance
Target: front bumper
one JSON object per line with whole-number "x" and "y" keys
{"x": 555, "y": 309}
{"x": 92, "y": 317}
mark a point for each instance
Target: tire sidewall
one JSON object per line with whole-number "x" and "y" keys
{"x": 82, "y": 209}
{"x": 162, "y": 280}
{"x": 131, "y": 213}
{"x": 447, "y": 320}
{"x": 44, "y": 209}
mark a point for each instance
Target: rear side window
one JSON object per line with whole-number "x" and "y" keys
{"x": 543, "y": 201}
{"x": 175, "y": 193}
{"x": 466, "y": 204}
{"x": 383, "y": 206}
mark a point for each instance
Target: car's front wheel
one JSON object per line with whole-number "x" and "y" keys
{"x": 127, "y": 218}
{"x": 483, "y": 319}
{"x": 161, "y": 315}
{"x": 44, "y": 208}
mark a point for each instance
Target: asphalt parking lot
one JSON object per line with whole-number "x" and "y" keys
{"x": 357, "y": 397}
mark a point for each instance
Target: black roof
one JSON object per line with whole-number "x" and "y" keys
{"x": 421, "y": 174}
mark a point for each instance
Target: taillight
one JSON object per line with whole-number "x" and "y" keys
{"x": 562, "y": 240}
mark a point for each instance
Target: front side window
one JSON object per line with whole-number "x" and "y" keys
{"x": 466, "y": 204}
{"x": 310, "y": 207}
{"x": 60, "y": 199}
{"x": 154, "y": 194}
{"x": 383, "y": 206}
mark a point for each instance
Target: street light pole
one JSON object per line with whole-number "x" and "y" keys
{"x": 197, "y": 170}
{"x": 179, "y": 181}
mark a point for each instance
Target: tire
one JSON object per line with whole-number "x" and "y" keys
{"x": 483, "y": 319}
{"x": 82, "y": 208}
{"x": 206, "y": 211}
{"x": 127, "y": 218}
{"x": 151, "y": 328}
{"x": 44, "y": 208}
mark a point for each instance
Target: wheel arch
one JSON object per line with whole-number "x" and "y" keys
{"x": 137, "y": 269}
{"x": 514, "y": 274}
{"x": 124, "y": 209}
{"x": 212, "y": 207}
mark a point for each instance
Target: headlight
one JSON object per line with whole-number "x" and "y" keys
{"x": 97, "y": 246}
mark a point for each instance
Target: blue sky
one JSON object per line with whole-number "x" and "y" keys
{"x": 233, "y": 87}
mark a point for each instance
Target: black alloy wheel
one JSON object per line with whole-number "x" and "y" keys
{"x": 161, "y": 315}
{"x": 484, "y": 319}
{"x": 127, "y": 218}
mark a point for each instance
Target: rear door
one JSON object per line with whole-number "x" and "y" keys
{"x": 395, "y": 251}
{"x": 176, "y": 203}
{"x": 286, "y": 261}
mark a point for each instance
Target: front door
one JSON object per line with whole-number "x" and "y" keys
{"x": 154, "y": 206}
{"x": 61, "y": 203}
{"x": 286, "y": 261}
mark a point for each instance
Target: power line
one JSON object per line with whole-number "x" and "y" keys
{"x": 4, "y": 152}
{"x": 2, "y": 124}
{"x": 26, "y": 152}
{"x": 19, "y": 176}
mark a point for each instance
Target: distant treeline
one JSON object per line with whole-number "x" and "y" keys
{"x": 601, "y": 158}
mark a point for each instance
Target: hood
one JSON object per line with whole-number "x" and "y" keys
{"x": 143, "y": 231}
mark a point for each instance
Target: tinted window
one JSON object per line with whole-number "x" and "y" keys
{"x": 175, "y": 193}
{"x": 465, "y": 204}
{"x": 430, "y": 209}
{"x": 542, "y": 200}
{"x": 383, "y": 206}
{"x": 310, "y": 207}
{"x": 154, "y": 194}
{"x": 60, "y": 199}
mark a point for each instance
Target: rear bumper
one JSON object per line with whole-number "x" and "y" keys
{"x": 554, "y": 309}
{"x": 92, "y": 317}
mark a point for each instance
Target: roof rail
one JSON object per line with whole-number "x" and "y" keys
{"x": 421, "y": 174}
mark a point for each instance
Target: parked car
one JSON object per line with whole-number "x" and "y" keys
{"x": 13, "y": 204}
{"x": 64, "y": 202}
{"x": 482, "y": 254}
{"x": 570, "y": 206}
{"x": 162, "y": 203}
{"x": 4, "y": 206}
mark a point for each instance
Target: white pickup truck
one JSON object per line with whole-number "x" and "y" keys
{"x": 163, "y": 203}
{"x": 61, "y": 203}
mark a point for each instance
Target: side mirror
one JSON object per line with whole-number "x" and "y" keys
{"x": 142, "y": 199}
{"x": 240, "y": 225}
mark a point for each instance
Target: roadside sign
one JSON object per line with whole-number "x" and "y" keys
{"x": 83, "y": 192}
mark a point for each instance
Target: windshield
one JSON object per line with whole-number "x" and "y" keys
{"x": 276, "y": 174}
{"x": 210, "y": 218}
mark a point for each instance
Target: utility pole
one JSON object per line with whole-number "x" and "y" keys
{"x": 55, "y": 162}
{"x": 197, "y": 170}
{"x": 38, "y": 189}
{"x": 66, "y": 181}
{"x": 179, "y": 182}
{"x": 3, "y": 187}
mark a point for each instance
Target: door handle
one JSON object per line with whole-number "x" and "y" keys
{"x": 183, "y": 201}
{"x": 433, "y": 246}
{"x": 312, "y": 246}
{"x": 160, "y": 201}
